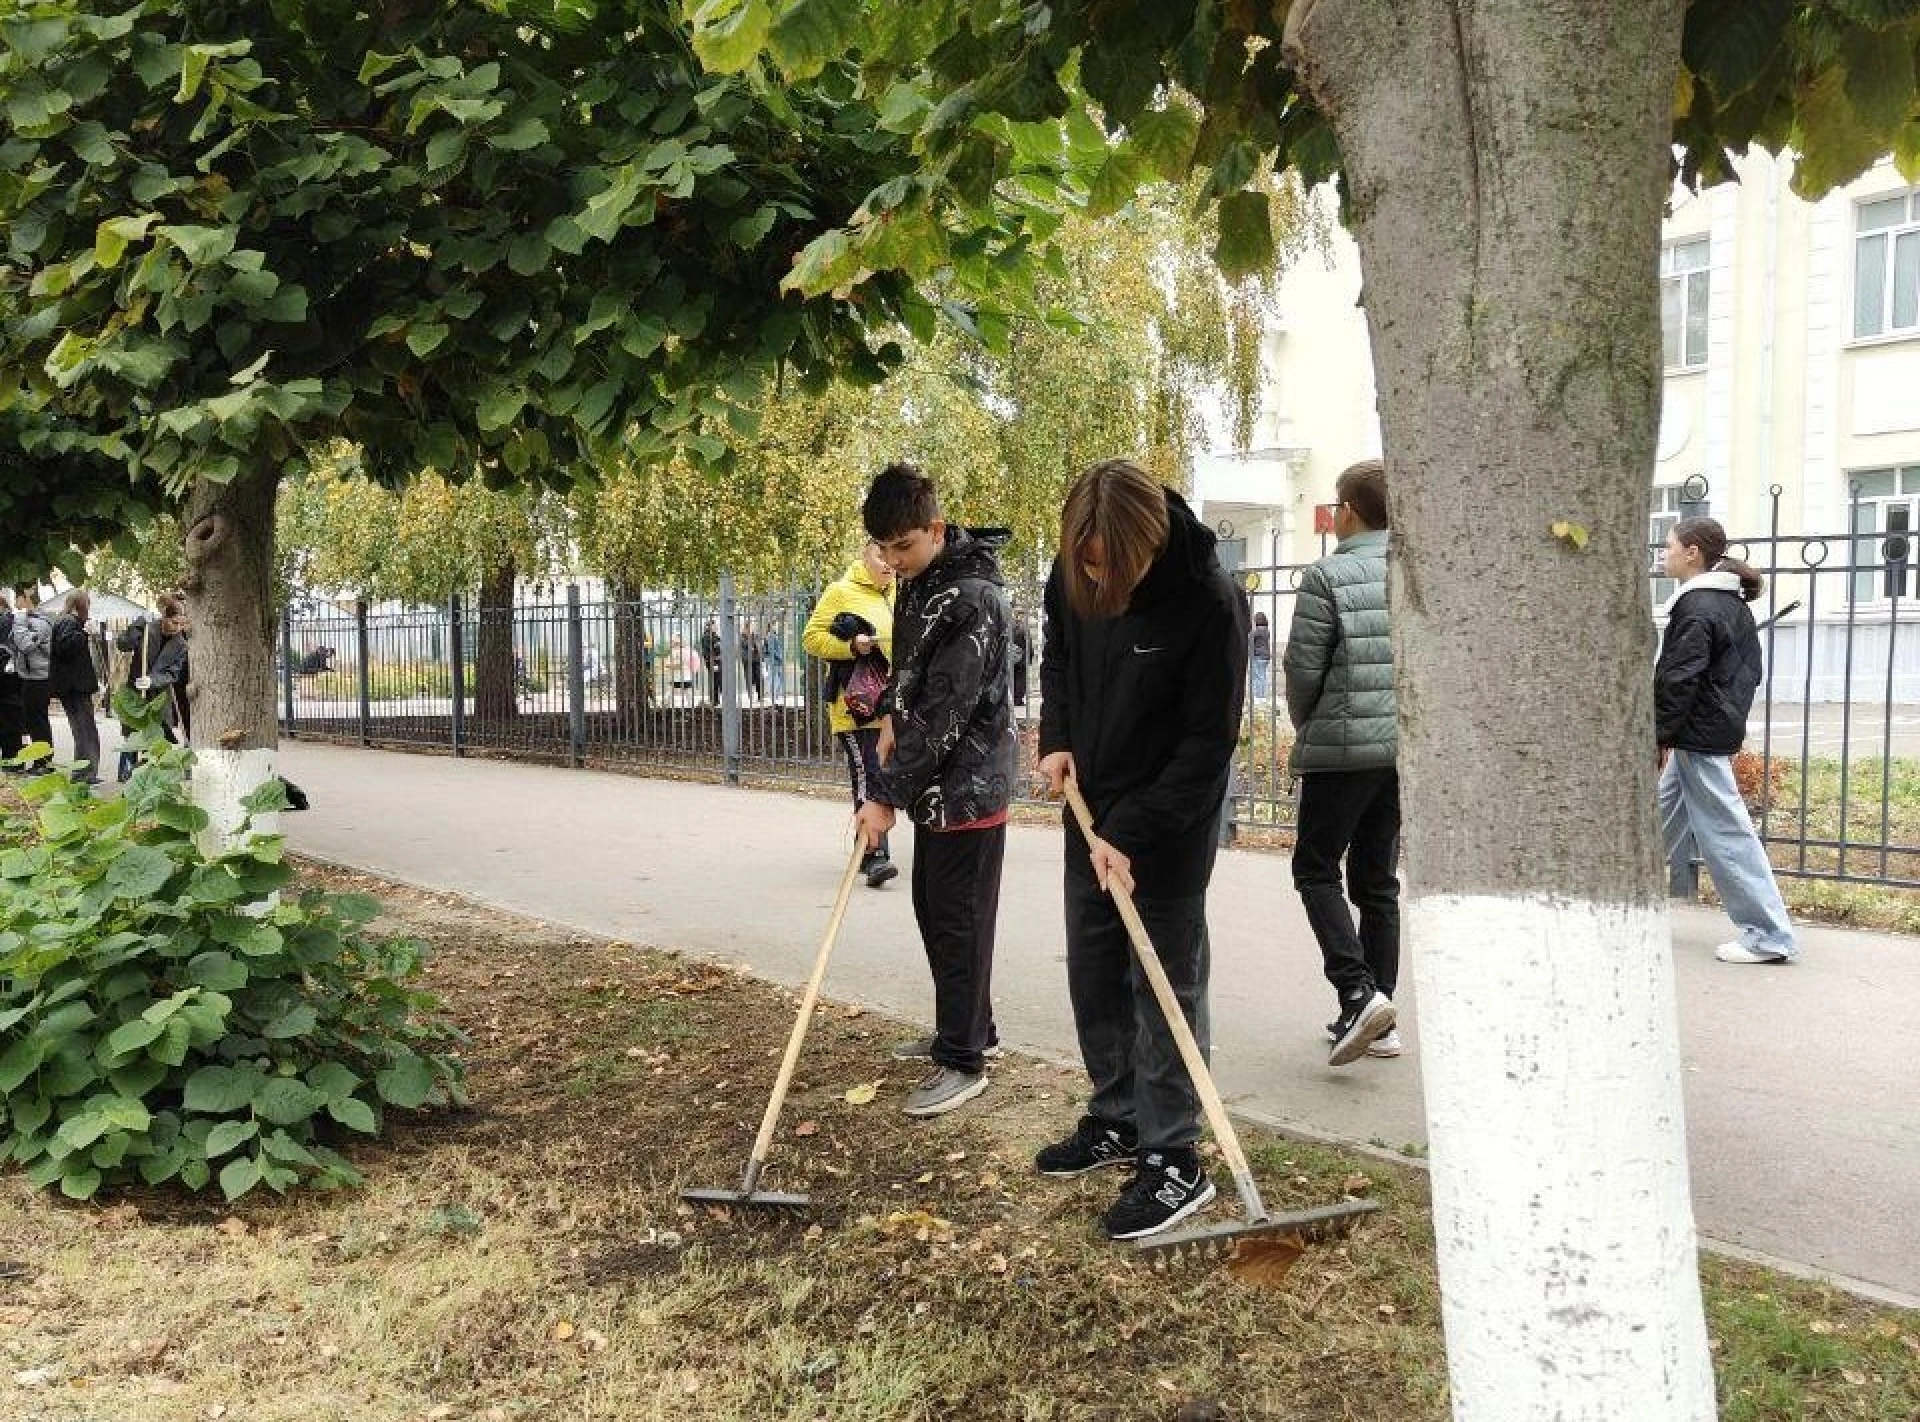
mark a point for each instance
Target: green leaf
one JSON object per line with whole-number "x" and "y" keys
{"x": 446, "y": 149}
{"x": 424, "y": 339}
{"x": 809, "y": 33}
{"x": 131, "y": 1036}
{"x": 80, "y": 1184}
{"x": 20, "y": 1061}
{"x": 220, "y": 1090}
{"x": 286, "y": 1101}
{"x": 1165, "y": 138}
{"x": 138, "y": 872}
{"x": 407, "y": 1083}
{"x": 728, "y": 35}
{"x": 219, "y": 971}
{"x": 333, "y": 1080}
{"x": 296, "y": 1022}
{"x": 111, "y": 237}
{"x": 527, "y": 132}
{"x": 354, "y": 1114}
{"x": 1246, "y": 235}
{"x": 229, "y": 1136}
{"x": 237, "y": 1176}
{"x": 202, "y": 246}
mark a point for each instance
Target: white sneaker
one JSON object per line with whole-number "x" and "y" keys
{"x": 1738, "y": 952}
{"x": 1387, "y": 1044}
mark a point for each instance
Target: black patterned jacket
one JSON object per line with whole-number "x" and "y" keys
{"x": 950, "y": 697}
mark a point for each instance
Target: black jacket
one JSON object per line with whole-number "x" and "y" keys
{"x": 73, "y": 672}
{"x": 1149, "y": 703}
{"x": 1709, "y": 668}
{"x": 953, "y": 747}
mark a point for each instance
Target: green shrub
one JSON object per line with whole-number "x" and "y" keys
{"x": 166, "y": 1015}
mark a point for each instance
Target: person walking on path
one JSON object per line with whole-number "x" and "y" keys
{"x": 76, "y": 681}
{"x": 751, "y": 652}
{"x": 32, "y": 644}
{"x": 854, "y": 619}
{"x": 1703, "y": 688}
{"x": 775, "y": 649}
{"x": 157, "y": 668}
{"x": 1142, "y": 678}
{"x": 711, "y": 654}
{"x": 1260, "y": 652}
{"x": 947, "y": 758}
{"x": 12, "y": 701}
{"x": 1339, "y": 682}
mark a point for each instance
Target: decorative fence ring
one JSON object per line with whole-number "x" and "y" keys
{"x": 1807, "y": 559}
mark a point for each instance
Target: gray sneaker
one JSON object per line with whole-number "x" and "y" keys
{"x": 920, "y": 1049}
{"x": 943, "y": 1091}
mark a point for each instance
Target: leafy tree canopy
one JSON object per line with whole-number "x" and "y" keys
{"x": 1021, "y": 109}
{"x": 480, "y": 237}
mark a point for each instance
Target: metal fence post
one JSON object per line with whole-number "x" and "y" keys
{"x": 286, "y": 667}
{"x": 457, "y": 649}
{"x": 729, "y": 680}
{"x": 576, "y": 679}
{"x": 363, "y": 647}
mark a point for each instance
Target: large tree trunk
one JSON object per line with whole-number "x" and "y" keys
{"x": 632, "y": 688}
{"x": 1507, "y": 166}
{"x": 495, "y": 696}
{"x": 229, "y": 548}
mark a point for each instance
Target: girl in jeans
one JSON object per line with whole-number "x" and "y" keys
{"x": 1708, "y": 671}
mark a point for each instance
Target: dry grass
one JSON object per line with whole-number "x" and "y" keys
{"x": 530, "y": 1257}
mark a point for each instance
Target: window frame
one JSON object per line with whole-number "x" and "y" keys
{"x": 1891, "y": 236}
{"x": 1683, "y": 280}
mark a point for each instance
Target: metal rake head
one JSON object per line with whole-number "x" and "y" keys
{"x": 1260, "y": 1251}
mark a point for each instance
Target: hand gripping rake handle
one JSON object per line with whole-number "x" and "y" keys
{"x": 1215, "y": 1109}
{"x": 764, "y": 1141}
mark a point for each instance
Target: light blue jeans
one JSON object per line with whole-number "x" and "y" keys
{"x": 1704, "y": 817}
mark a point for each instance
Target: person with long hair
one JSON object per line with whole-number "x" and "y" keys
{"x": 854, "y": 619}
{"x": 1141, "y": 685}
{"x": 1704, "y": 684}
{"x": 76, "y": 681}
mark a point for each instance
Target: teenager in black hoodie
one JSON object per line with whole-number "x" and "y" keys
{"x": 1141, "y": 688}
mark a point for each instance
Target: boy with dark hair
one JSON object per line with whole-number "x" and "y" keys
{"x": 947, "y": 759}
{"x": 1339, "y": 679}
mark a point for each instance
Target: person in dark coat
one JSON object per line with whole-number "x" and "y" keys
{"x": 12, "y": 726}
{"x": 1703, "y": 688}
{"x": 31, "y": 643}
{"x": 1142, "y": 681}
{"x": 158, "y": 667}
{"x": 75, "y": 682}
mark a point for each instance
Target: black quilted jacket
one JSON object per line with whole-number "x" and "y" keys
{"x": 1709, "y": 668}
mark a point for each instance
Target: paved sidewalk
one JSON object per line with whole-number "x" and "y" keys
{"x": 1802, "y": 1109}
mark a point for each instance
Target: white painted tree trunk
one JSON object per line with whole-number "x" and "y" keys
{"x": 1506, "y": 164}
{"x": 229, "y": 546}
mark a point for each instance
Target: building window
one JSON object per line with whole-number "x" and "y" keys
{"x": 1665, "y": 514}
{"x": 1886, "y": 266}
{"x": 1683, "y": 303}
{"x": 1885, "y": 515}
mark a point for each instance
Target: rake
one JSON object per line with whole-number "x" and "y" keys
{"x": 747, "y": 1194}
{"x": 1262, "y": 1246}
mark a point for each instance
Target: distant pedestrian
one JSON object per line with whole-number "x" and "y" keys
{"x": 852, "y": 620}
{"x": 682, "y": 666}
{"x": 1022, "y": 656}
{"x": 752, "y": 663}
{"x": 1260, "y": 656}
{"x": 1339, "y": 682}
{"x": 75, "y": 682}
{"x": 32, "y": 644}
{"x": 12, "y": 732}
{"x": 710, "y": 653}
{"x": 775, "y": 651}
{"x": 1703, "y": 689}
{"x": 157, "y": 669}
{"x": 947, "y": 760}
{"x": 1141, "y": 685}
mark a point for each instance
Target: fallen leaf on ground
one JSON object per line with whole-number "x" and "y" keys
{"x": 807, "y": 1128}
{"x": 1356, "y": 1184}
{"x": 863, "y": 1093}
{"x": 562, "y": 1331}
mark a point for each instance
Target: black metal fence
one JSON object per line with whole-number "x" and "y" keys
{"x": 719, "y": 686}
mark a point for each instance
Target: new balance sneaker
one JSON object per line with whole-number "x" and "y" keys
{"x": 921, "y": 1049}
{"x": 1361, "y": 1022}
{"x": 1738, "y": 952}
{"x": 942, "y": 1091}
{"x": 1167, "y": 1186}
{"x": 1094, "y": 1143}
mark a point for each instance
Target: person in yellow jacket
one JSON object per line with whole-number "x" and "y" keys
{"x": 853, "y": 619}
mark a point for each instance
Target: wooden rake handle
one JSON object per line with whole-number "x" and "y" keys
{"x": 764, "y": 1141}
{"x": 1210, "y": 1103}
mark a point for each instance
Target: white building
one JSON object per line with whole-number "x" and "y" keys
{"x": 1792, "y": 359}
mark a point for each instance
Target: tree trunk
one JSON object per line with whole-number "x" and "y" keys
{"x": 632, "y": 688}
{"x": 1507, "y": 167}
{"x": 495, "y": 695}
{"x": 229, "y": 549}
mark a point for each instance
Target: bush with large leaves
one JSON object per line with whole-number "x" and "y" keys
{"x": 170, "y": 1015}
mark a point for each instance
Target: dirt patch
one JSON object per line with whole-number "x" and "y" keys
{"x": 530, "y": 1256}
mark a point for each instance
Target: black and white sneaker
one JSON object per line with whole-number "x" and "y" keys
{"x": 1361, "y": 1021}
{"x": 1166, "y": 1187}
{"x": 1094, "y": 1143}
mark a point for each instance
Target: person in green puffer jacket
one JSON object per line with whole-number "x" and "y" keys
{"x": 1339, "y": 681}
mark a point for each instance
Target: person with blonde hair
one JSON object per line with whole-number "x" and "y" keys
{"x": 1142, "y": 680}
